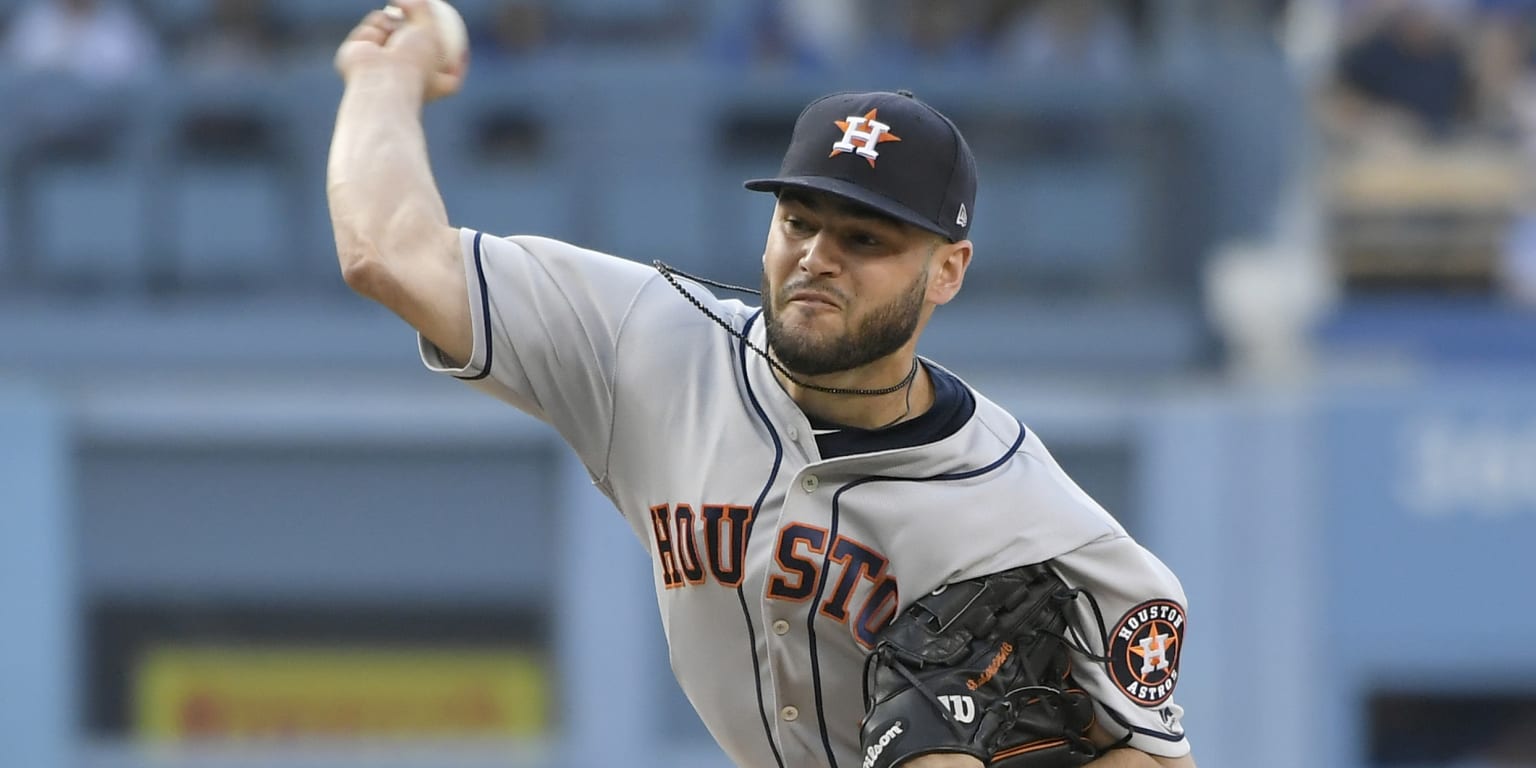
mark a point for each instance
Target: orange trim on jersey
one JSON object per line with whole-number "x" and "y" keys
{"x": 714, "y": 542}
{"x": 661, "y": 526}
{"x": 778, "y": 586}
{"x": 687, "y": 545}
{"x": 847, "y": 582}
{"x": 870, "y": 611}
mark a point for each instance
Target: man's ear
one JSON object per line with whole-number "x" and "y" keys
{"x": 947, "y": 270}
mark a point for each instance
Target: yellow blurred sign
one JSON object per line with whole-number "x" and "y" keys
{"x": 184, "y": 694}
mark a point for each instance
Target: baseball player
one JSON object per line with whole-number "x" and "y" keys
{"x": 859, "y": 560}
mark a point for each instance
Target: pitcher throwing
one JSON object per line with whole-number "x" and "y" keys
{"x": 859, "y": 559}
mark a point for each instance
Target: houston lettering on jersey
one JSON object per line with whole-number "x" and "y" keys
{"x": 725, "y": 543}
{"x": 799, "y": 555}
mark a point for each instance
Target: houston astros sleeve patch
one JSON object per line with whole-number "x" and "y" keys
{"x": 1144, "y": 651}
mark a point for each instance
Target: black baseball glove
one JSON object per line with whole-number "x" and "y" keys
{"x": 980, "y": 667}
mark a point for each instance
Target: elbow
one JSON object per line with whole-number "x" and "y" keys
{"x": 356, "y": 255}
{"x": 364, "y": 273}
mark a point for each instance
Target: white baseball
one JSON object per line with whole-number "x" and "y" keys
{"x": 452, "y": 34}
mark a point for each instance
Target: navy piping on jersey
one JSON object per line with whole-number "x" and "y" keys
{"x": 1113, "y": 715}
{"x": 741, "y": 595}
{"x": 485, "y": 312}
{"x": 826, "y": 563}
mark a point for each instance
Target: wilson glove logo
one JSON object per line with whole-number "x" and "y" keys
{"x": 873, "y": 753}
{"x": 962, "y": 707}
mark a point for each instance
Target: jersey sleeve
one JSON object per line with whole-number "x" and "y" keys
{"x": 547, "y": 317}
{"x": 1142, "y": 607}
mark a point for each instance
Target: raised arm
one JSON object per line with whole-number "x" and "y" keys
{"x": 392, "y": 233}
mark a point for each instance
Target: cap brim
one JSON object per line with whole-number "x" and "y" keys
{"x": 851, "y": 191}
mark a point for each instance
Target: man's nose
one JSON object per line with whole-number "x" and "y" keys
{"x": 821, "y": 256}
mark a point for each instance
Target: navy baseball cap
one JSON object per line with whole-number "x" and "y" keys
{"x": 886, "y": 151}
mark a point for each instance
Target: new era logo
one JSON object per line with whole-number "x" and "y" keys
{"x": 963, "y": 218}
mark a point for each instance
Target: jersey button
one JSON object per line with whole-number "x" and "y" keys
{"x": 809, "y": 483}
{"x": 794, "y": 434}
{"x": 781, "y": 627}
{"x": 789, "y": 713}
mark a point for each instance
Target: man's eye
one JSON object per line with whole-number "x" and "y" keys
{"x": 865, "y": 240}
{"x": 796, "y": 225}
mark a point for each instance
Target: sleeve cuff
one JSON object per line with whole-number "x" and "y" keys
{"x": 1152, "y": 741}
{"x": 479, "y": 364}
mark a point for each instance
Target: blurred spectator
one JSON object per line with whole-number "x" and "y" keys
{"x": 235, "y": 39}
{"x": 827, "y": 32}
{"x": 1520, "y": 100}
{"x": 518, "y": 29}
{"x": 1508, "y": 96}
{"x": 943, "y": 32}
{"x": 1502, "y": 57}
{"x": 1086, "y": 38}
{"x": 1409, "y": 73}
{"x": 1517, "y": 261}
{"x": 238, "y": 36}
{"x": 1427, "y": 187}
{"x": 801, "y": 34}
{"x": 84, "y": 50}
{"x": 98, "y": 41}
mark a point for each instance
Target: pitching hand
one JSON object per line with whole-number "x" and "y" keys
{"x": 408, "y": 47}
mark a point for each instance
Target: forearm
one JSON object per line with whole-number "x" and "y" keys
{"x": 1116, "y": 758}
{"x": 384, "y": 203}
{"x": 1124, "y": 758}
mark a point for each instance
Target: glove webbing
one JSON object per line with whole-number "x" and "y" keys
{"x": 1041, "y": 691}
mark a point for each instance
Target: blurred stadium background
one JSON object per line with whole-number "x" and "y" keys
{"x": 1262, "y": 273}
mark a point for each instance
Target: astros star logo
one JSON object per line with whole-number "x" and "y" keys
{"x": 1144, "y": 651}
{"x": 1153, "y": 650}
{"x": 862, "y": 134}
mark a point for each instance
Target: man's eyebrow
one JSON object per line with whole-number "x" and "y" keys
{"x": 852, "y": 210}
{"x": 800, "y": 198}
{"x": 870, "y": 215}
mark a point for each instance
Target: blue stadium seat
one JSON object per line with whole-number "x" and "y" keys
{"x": 226, "y": 196}
{"x": 647, "y": 189}
{"x": 10, "y": 93}
{"x": 1072, "y": 178}
{"x": 1032, "y": 333}
{"x": 301, "y": 14}
{"x": 82, "y": 160}
{"x": 89, "y": 224}
{"x": 175, "y": 17}
{"x": 309, "y": 97}
{"x": 229, "y": 223}
{"x": 504, "y": 154}
{"x": 747, "y": 139}
{"x": 1060, "y": 221}
{"x": 620, "y": 11}
{"x": 8, "y": 11}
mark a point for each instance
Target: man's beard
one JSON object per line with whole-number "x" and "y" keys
{"x": 882, "y": 332}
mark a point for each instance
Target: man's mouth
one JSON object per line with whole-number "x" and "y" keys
{"x": 814, "y": 299}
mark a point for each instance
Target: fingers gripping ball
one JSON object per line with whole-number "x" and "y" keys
{"x": 453, "y": 35}
{"x": 979, "y": 668}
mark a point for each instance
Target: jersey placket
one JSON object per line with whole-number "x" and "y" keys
{"x": 793, "y": 573}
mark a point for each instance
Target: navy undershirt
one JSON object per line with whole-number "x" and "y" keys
{"x": 952, "y": 407}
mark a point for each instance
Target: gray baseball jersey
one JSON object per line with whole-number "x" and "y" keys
{"x": 775, "y": 566}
